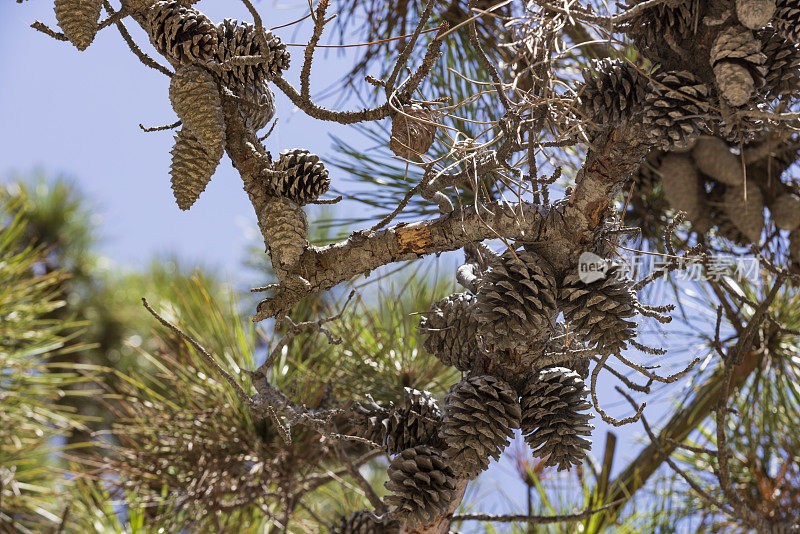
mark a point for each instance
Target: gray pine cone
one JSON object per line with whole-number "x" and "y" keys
{"x": 747, "y": 217}
{"x": 785, "y": 211}
{"x": 738, "y": 64}
{"x": 195, "y": 98}
{"x": 672, "y": 115}
{"x": 191, "y": 169}
{"x": 422, "y": 485}
{"x": 552, "y": 421}
{"x": 414, "y": 423}
{"x": 714, "y": 158}
{"x": 286, "y": 232}
{"x": 516, "y": 301}
{"x": 180, "y": 32}
{"x": 614, "y": 92}
{"x": 304, "y": 176}
{"x": 787, "y": 19}
{"x": 238, "y": 39}
{"x": 783, "y": 64}
{"x": 480, "y": 416}
{"x": 682, "y": 184}
{"x": 451, "y": 328}
{"x": 78, "y": 20}
{"x": 257, "y": 104}
{"x": 755, "y": 14}
{"x": 364, "y": 522}
{"x": 598, "y": 311}
{"x": 412, "y": 132}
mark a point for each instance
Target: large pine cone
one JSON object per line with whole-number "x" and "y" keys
{"x": 286, "y": 232}
{"x": 416, "y": 422}
{"x": 787, "y": 19}
{"x": 481, "y": 414}
{"x": 181, "y": 32}
{"x": 78, "y": 19}
{"x": 239, "y": 39}
{"x": 613, "y": 93}
{"x": 412, "y": 132}
{"x": 195, "y": 98}
{"x": 422, "y": 485}
{"x": 552, "y": 421}
{"x": 783, "y": 65}
{"x": 672, "y": 113}
{"x": 364, "y": 522}
{"x": 598, "y": 311}
{"x": 517, "y": 301}
{"x": 304, "y": 178}
{"x": 451, "y": 328}
{"x": 192, "y": 168}
{"x": 738, "y": 64}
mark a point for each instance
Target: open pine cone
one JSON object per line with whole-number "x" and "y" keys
{"x": 451, "y": 328}
{"x": 302, "y": 178}
{"x": 673, "y": 115}
{"x": 181, "y": 32}
{"x": 613, "y": 93}
{"x": 364, "y": 522}
{"x": 239, "y": 39}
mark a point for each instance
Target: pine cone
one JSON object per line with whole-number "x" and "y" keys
{"x": 552, "y": 421}
{"x": 191, "y": 170}
{"x": 613, "y": 94}
{"x": 672, "y": 114}
{"x": 783, "y": 64}
{"x": 676, "y": 19}
{"x": 749, "y": 217}
{"x": 682, "y": 184}
{"x": 78, "y": 19}
{"x": 286, "y": 231}
{"x": 598, "y": 311}
{"x": 180, "y": 32}
{"x": 451, "y": 327}
{"x": 755, "y": 14}
{"x": 516, "y": 301}
{"x": 364, "y": 522}
{"x": 787, "y": 19}
{"x": 412, "y": 132}
{"x": 738, "y": 64}
{"x": 239, "y": 39}
{"x": 416, "y": 422}
{"x": 785, "y": 211}
{"x": 257, "y": 104}
{"x": 195, "y": 98}
{"x": 480, "y": 415}
{"x": 304, "y": 177}
{"x": 714, "y": 158}
{"x": 422, "y": 485}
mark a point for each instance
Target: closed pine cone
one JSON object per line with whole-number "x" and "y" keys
{"x": 748, "y": 216}
{"x": 365, "y": 522}
{"x": 738, "y": 64}
{"x": 451, "y": 327}
{"x": 195, "y": 98}
{"x": 481, "y": 414}
{"x": 613, "y": 93}
{"x": 672, "y": 113}
{"x": 414, "y": 423}
{"x": 286, "y": 232}
{"x": 682, "y": 184}
{"x": 412, "y": 132}
{"x": 714, "y": 158}
{"x": 598, "y": 311}
{"x": 237, "y": 39}
{"x": 783, "y": 64}
{"x": 785, "y": 211}
{"x": 422, "y": 485}
{"x": 303, "y": 176}
{"x": 78, "y": 19}
{"x": 191, "y": 170}
{"x": 180, "y": 32}
{"x": 517, "y": 301}
{"x": 552, "y": 419}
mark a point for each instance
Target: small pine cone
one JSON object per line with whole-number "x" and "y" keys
{"x": 783, "y": 65}
{"x": 304, "y": 178}
{"x": 412, "y": 132}
{"x": 240, "y": 39}
{"x": 195, "y": 98}
{"x": 682, "y": 185}
{"x": 480, "y": 415}
{"x": 785, "y": 211}
{"x": 755, "y": 14}
{"x": 180, "y": 32}
{"x": 552, "y": 421}
{"x": 714, "y": 158}
{"x": 78, "y": 19}
{"x": 257, "y": 104}
{"x": 672, "y": 114}
{"x": 516, "y": 301}
{"x": 422, "y": 485}
{"x": 613, "y": 93}
{"x": 597, "y": 311}
{"x": 451, "y": 327}
{"x": 191, "y": 170}
{"x": 416, "y": 422}
{"x": 286, "y": 231}
{"x": 738, "y": 64}
{"x": 787, "y": 19}
{"x": 365, "y": 522}
{"x": 749, "y": 217}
